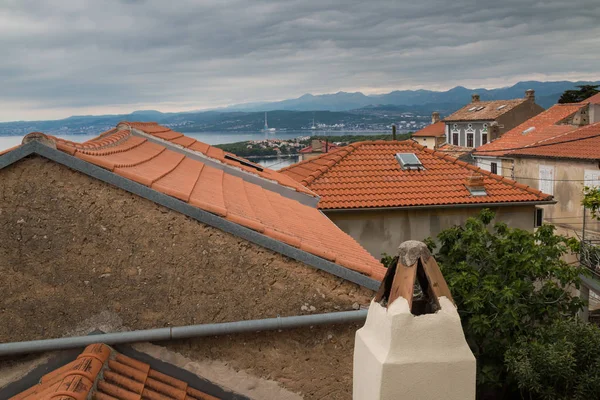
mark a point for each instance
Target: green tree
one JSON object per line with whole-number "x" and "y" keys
{"x": 506, "y": 283}
{"x": 558, "y": 362}
{"x": 575, "y": 96}
{"x": 591, "y": 200}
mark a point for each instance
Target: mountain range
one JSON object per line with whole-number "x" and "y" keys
{"x": 352, "y": 110}
{"x": 547, "y": 94}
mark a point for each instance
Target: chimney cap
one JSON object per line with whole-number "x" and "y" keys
{"x": 435, "y": 117}
{"x": 475, "y": 98}
{"x": 530, "y": 94}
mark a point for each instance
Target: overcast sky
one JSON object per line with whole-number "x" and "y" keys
{"x": 66, "y": 57}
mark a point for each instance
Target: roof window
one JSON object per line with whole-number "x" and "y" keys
{"x": 501, "y": 107}
{"x": 409, "y": 161}
{"x": 479, "y": 108}
{"x": 472, "y": 108}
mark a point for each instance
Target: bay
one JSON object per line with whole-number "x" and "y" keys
{"x": 214, "y": 138}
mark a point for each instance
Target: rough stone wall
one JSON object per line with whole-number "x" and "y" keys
{"x": 72, "y": 247}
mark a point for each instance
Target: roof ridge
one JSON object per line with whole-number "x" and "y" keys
{"x": 322, "y": 170}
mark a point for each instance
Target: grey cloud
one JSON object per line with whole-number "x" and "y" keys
{"x": 71, "y": 53}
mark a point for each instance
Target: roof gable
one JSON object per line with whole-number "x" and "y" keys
{"x": 485, "y": 110}
{"x": 218, "y": 198}
{"x": 367, "y": 175}
{"x": 582, "y": 143}
{"x": 540, "y": 127}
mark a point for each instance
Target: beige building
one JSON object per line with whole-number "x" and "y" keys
{"x": 481, "y": 122}
{"x": 432, "y": 136}
{"x": 386, "y": 192}
{"x": 144, "y": 228}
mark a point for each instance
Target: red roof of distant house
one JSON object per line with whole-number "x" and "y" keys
{"x": 485, "y": 110}
{"x": 437, "y": 130}
{"x": 186, "y": 169}
{"x": 455, "y": 151}
{"x": 103, "y": 374}
{"x": 582, "y": 143}
{"x": 367, "y": 175}
{"x": 540, "y": 127}
{"x": 595, "y": 99}
{"x": 325, "y": 148}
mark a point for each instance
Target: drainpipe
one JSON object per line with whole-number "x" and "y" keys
{"x": 183, "y": 332}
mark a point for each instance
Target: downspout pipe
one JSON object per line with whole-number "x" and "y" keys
{"x": 183, "y": 332}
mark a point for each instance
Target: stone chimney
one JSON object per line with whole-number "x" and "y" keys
{"x": 475, "y": 98}
{"x": 435, "y": 117}
{"x": 413, "y": 348}
{"x": 475, "y": 181}
{"x": 316, "y": 145}
{"x": 530, "y": 95}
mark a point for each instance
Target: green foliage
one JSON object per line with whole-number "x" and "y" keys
{"x": 386, "y": 260}
{"x": 558, "y": 362}
{"x": 591, "y": 200}
{"x": 575, "y": 96}
{"x": 507, "y": 283}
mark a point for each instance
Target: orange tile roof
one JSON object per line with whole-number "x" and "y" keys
{"x": 582, "y": 143}
{"x": 438, "y": 129}
{"x": 367, "y": 175}
{"x": 515, "y": 138}
{"x": 595, "y": 99}
{"x": 164, "y": 133}
{"x": 489, "y": 112}
{"x": 455, "y": 151}
{"x": 100, "y": 373}
{"x": 179, "y": 173}
{"x": 330, "y": 147}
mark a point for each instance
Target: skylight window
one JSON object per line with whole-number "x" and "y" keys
{"x": 477, "y": 191}
{"x": 409, "y": 161}
{"x": 479, "y": 108}
{"x": 501, "y": 107}
{"x": 472, "y": 108}
{"x": 526, "y": 131}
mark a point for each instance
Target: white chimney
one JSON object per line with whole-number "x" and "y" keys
{"x": 413, "y": 349}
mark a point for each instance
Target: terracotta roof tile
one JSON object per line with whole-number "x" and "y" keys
{"x": 438, "y": 129}
{"x": 160, "y": 166}
{"x": 330, "y": 147}
{"x": 103, "y": 374}
{"x": 532, "y": 130}
{"x": 582, "y": 143}
{"x": 367, "y": 175}
{"x": 164, "y": 133}
{"x": 491, "y": 110}
{"x": 595, "y": 99}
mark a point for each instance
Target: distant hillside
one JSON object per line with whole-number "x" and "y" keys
{"x": 547, "y": 94}
{"x": 410, "y": 109}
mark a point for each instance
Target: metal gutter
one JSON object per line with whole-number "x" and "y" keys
{"x": 184, "y": 208}
{"x": 183, "y": 332}
{"x": 482, "y": 205}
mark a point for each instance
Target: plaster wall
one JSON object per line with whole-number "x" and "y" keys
{"x": 72, "y": 247}
{"x": 380, "y": 231}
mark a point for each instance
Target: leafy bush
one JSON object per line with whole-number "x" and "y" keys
{"x": 506, "y": 283}
{"x": 558, "y": 362}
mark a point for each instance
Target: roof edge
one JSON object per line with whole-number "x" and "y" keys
{"x": 457, "y": 205}
{"x": 35, "y": 147}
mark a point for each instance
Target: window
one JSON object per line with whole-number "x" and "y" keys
{"x": 483, "y": 138}
{"x": 455, "y": 139}
{"x": 409, "y": 161}
{"x": 546, "y": 175}
{"x": 539, "y": 217}
{"x": 494, "y": 168}
{"x": 469, "y": 140}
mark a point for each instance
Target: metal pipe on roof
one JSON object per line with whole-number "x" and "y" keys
{"x": 183, "y": 332}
